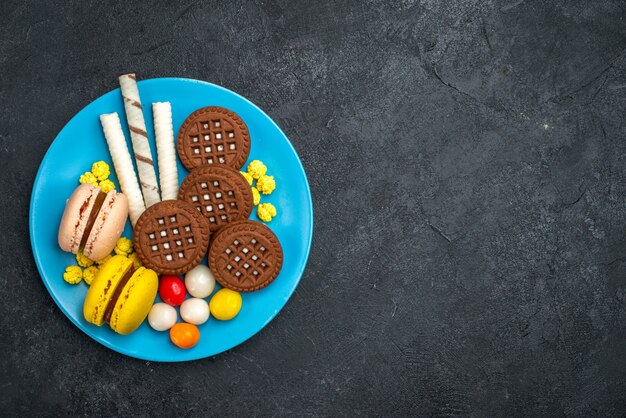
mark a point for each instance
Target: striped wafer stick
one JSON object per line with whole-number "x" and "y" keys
{"x": 123, "y": 164}
{"x": 139, "y": 137}
{"x": 164, "y": 132}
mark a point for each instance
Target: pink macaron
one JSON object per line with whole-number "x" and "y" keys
{"x": 93, "y": 221}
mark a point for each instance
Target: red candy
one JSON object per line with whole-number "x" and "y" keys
{"x": 172, "y": 290}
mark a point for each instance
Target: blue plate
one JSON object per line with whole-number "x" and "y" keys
{"x": 81, "y": 142}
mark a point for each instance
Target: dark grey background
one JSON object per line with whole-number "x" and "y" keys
{"x": 467, "y": 161}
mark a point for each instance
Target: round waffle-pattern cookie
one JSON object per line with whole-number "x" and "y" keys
{"x": 213, "y": 135}
{"x": 245, "y": 256}
{"x": 219, "y": 192}
{"x": 171, "y": 237}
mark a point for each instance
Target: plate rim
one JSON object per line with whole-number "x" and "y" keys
{"x": 122, "y": 350}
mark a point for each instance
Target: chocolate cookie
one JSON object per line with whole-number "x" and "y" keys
{"x": 245, "y": 256}
{"x": 219, "y": 192}
{"x": 213, "y": 135}
{"x": 171, "y": 237}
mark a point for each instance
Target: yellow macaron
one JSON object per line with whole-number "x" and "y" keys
{"x": 120, "y": 295}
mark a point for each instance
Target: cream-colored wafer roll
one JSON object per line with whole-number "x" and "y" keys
{"x": 123, "y": 164}
{"x": 166, "y": 153}
{"x": 139, "y": 137}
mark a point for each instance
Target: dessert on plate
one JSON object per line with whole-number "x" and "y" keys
{"x": 132, "y": 279}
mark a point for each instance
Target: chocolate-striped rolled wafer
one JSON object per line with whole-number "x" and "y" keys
{"x": 123, "y": 164}
{"x": 166, "y": 154}
{"x": 139, "y": 137}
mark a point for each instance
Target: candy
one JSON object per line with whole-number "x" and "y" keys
{"x": 266, "y": 211}
{"x": 88, "y": 178}
{"x": 100, "y": 170}
{"x": 73, "y": 274}
{"x": 172, "y": 290}
{"x": 135, "y": 259}
{"x": 225, "y": 304}
{"x": 266, "y": 184}
{"x": 257, "y": 169}
{"x": 106, "y": 186}
{"x": 184, "y": 335}
{"x": 247, "y": 176}
{"x": 124, "y": 246}
{"x": 200, "y": 281}
{"x": 83, "y": 260}
{"x": 89, "y": 274}
{"x": 162, "y": 316}
{"x": 195, "y": 311}
{"x": 256, "y": 197}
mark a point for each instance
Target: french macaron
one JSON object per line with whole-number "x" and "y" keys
{"x": 120, "y": 295}
{"x": 92, "y": 221}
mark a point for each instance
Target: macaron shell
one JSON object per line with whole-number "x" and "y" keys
{"x": 135, "y": 301}
{"x": 108, "y": 226}
{"x": 102, "y": 288}
{"x": 75, "y": 217}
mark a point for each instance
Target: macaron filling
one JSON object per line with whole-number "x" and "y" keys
{"x": 93, "y": 215}
{"x": 117, "y": 292}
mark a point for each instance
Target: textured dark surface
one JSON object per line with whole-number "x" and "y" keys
{"x": 467, "y": 161}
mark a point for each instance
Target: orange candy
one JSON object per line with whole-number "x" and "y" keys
{"x": 184, "y": 335}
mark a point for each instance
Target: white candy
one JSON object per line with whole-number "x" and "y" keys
{"x": 195, "y": 311}
{"x": 162, "y": 316}
{"x": 200, "y": 281}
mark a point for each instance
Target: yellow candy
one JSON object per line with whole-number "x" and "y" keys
{"x": 248, "y": 177}
{"x": 82, "y": 260}
{"x": 104, "y": 260}
{"x": 106, "y": 186}
{"x": 88, "y": 178}
{"x": 266, "y": 211}
{"x": 89, "y": 274}
{"x": 225, "y": 304}
{"x": 257, "y": 169}
{"x": 136, "y": 261}
{"x": 101, "y": 170}
{"x": 266, "y": 184}
{"x": 124, "y": 246}
{"x": 256, "y": 197}
{"x": 73, "y": 274}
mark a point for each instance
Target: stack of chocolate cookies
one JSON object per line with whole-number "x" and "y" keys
{"x": 212, "y": 210}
